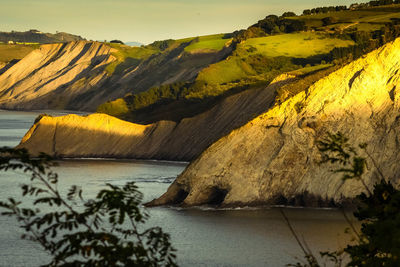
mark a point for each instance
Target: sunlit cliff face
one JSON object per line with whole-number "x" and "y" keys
{"x": 271, "y": 157}
{"x": 81, "y": 135}
{"x": 36, "y": 80}
{"x": 275, "y": 157}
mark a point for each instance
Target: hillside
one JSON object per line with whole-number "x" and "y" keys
{"x": 12, "y": 53}
{"x": 82, "y": 75}
{"x": 16, "y": 45}
{"x": 54, "y": 75}
{"x": 262, "y": 52}
{"x": 273, "y": 159}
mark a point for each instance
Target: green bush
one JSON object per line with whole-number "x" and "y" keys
{"x": 163, "y": 93}
{"x": 105, "y": 231}
{"x": 378, "y": 210}
{"x": 162, "y": 45}
{"x": 329, "y": 20}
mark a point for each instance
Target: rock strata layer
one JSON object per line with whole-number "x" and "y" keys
{"x": 273, "y": 159}
{"x": 54, "y": 75}
{"x": 100, "y": 135}
{"x": 74, "y": 76}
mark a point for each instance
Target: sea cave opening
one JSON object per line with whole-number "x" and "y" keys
{"x": 217, "y": 196}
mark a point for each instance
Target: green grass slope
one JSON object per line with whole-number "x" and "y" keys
{"x": 259, "y": 60}
{"x": 9, "y": 52}
{"x": 128, "y": 56}
{"x": 306, "y": 44}
{"x": 207, "y": 43}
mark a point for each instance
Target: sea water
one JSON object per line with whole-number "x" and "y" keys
{"x": 203, "y": 236}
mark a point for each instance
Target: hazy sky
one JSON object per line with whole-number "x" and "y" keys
{"x": 144, "y": 20}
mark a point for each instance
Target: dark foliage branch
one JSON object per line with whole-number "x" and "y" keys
{"x": 104, "y": 231}
{"x": 378, "y": 210}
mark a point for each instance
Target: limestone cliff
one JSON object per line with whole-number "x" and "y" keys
{"x": 100, "y": 135}
{"x": 273, "y": 159}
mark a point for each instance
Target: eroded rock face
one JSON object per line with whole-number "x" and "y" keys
{"x": 273, "y": 159}
{"x": 95, "y": 135}
{"x": 54, "y": 75}
{"x": 100, "y": 135}
{"x": 73, "y": 75}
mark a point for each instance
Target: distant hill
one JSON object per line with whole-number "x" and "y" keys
{"x": 35, "y": 36}
{"x": 133, "y": 43}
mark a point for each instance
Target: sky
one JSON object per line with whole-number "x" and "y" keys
{"x": 144, "y": 21}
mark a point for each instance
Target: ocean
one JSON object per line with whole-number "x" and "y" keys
{"x": 203, "y": 236}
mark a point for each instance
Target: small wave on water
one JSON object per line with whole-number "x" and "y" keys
{"x": 163, "y": 180}
{"x": 154, "y": 179}
{"x": 301, "y": 207}
{"x": 214, "y": 208}
{"x": 126, "y": 160}
{"x": 248, "y": 208}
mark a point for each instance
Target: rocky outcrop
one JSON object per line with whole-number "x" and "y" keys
{"x": 273, "y": 159}
{"x": 100, "y": 135}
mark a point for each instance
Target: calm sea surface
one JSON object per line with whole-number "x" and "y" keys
{"x": 203, "y": 237}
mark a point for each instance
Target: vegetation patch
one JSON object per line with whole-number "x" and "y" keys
{"x": 308, "y": 46}
{"x": 9, "y": 52}
{"x": 259, "y": 60}
{"x": 207, "y": 43}
{"x": 128, "y": 56}
{"x": 239, "y": 71}
{"x": 117, "y": 108}
{"x": 310, "y": 69}
{"x": 299, "y": 45}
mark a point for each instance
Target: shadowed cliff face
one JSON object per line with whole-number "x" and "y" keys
{"x": 273, "y": 159}
{"x": 73, "y": 75}
{"x": 100, "y": 135}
